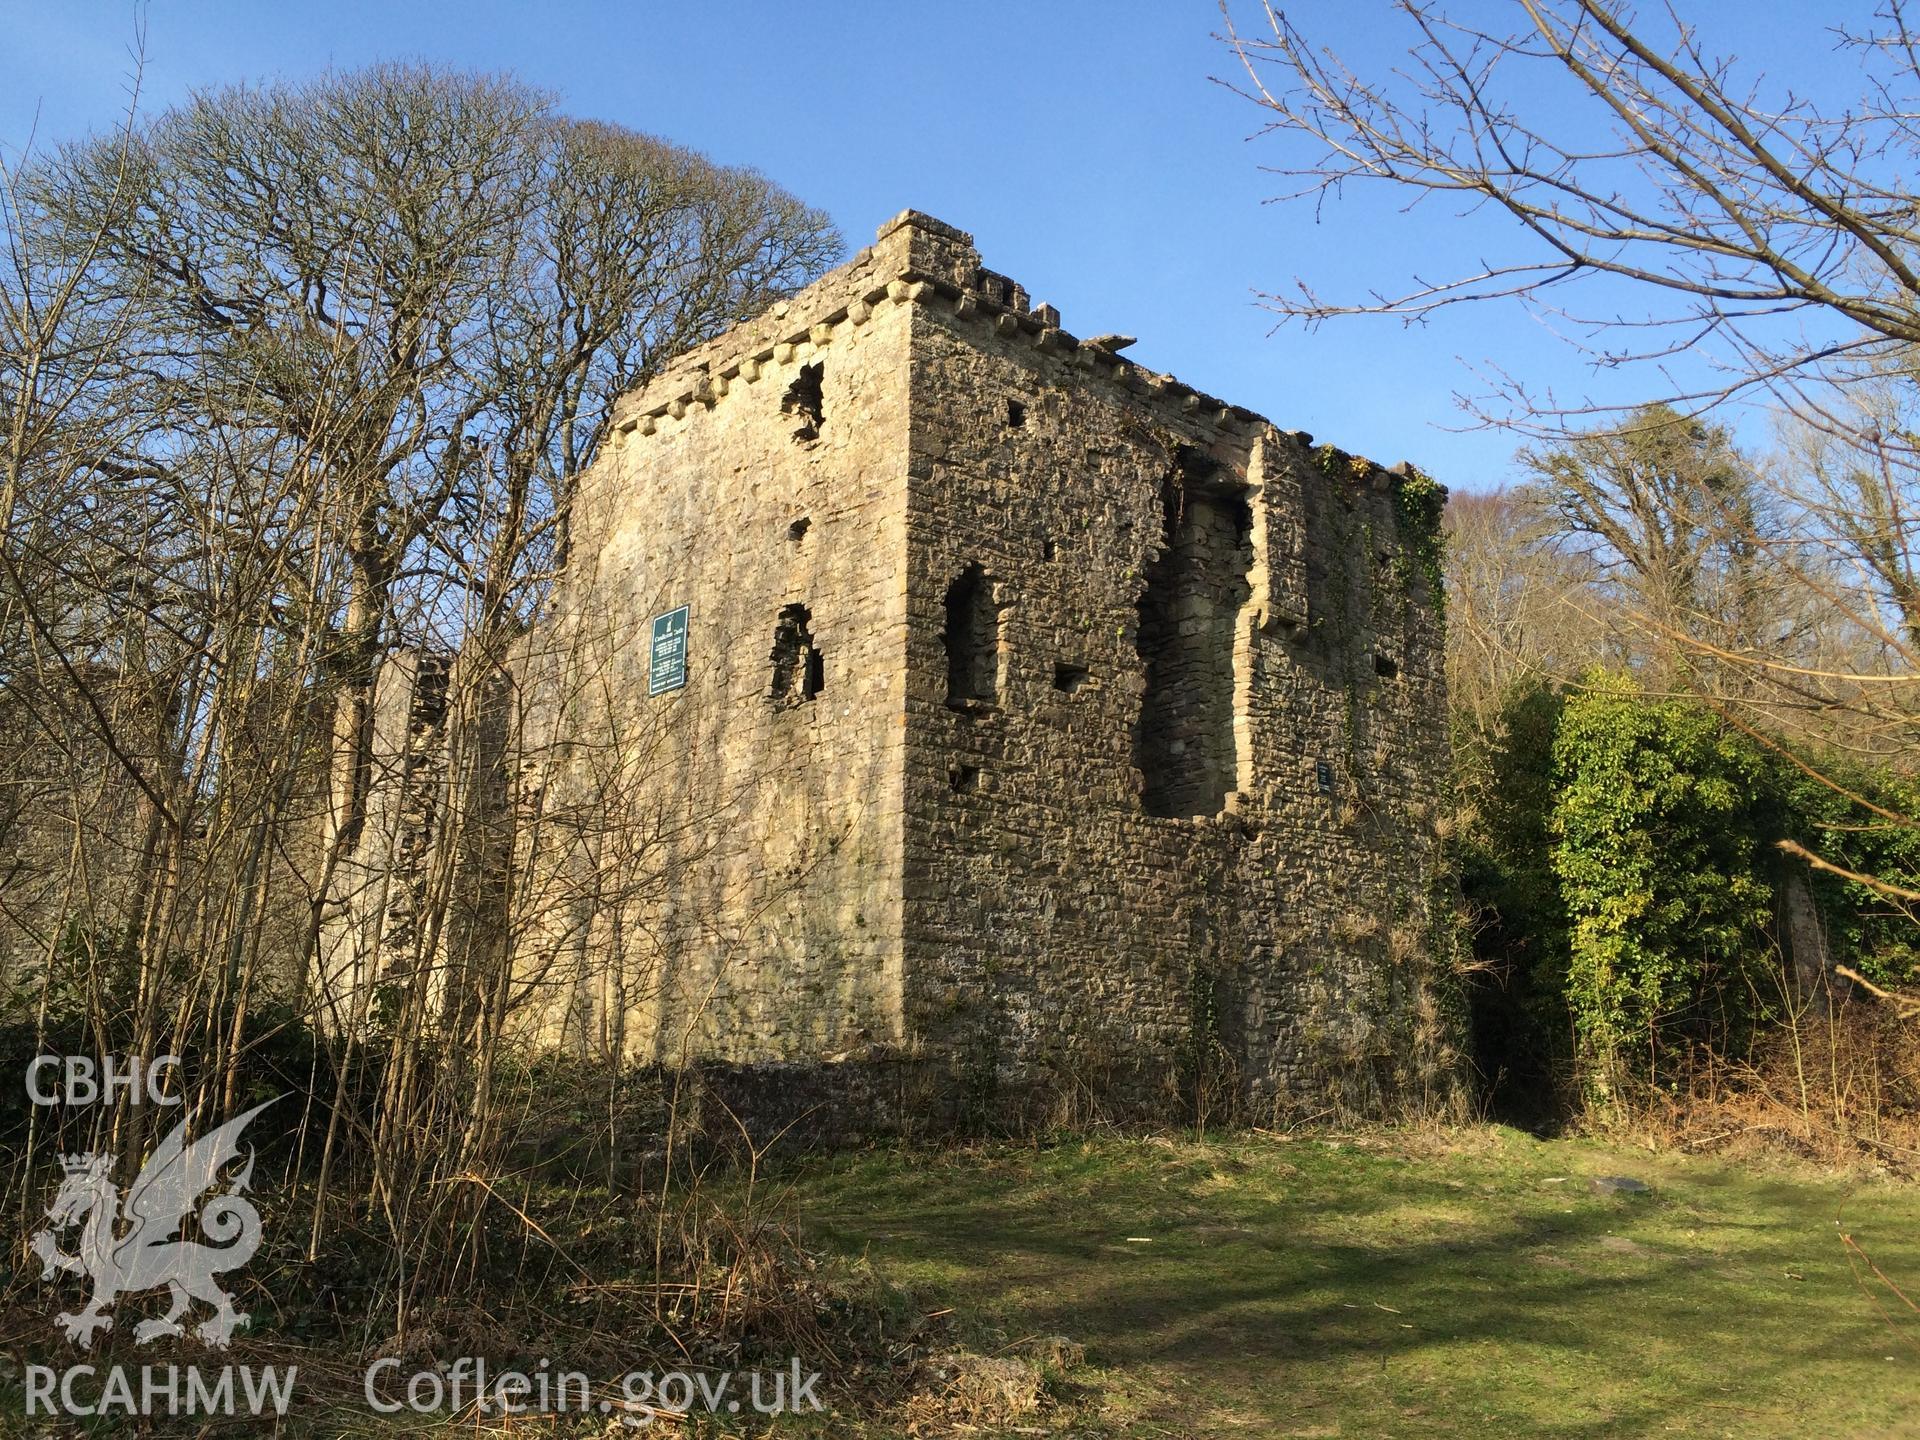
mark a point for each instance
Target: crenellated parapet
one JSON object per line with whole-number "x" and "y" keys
{"x": 914, "y": 260}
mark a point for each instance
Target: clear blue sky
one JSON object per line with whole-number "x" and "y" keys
{"x": 1085, "y": 145}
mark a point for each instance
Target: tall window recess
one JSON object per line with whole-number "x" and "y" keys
{"x": 972, "y": 638}
{"x": 1184, "y": 742}
{"x": 799, "y": 669}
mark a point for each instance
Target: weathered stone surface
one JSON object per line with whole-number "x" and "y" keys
{"x": 1054, "y": 738}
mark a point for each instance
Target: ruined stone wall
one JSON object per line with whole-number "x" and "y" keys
{"x": 371, "y": 926}
{"x": 1185, "y": 743}
{"x": 746, "y": 900}
{"x": 75, "y": 831}
{"x": 1193, "y": 829}
{"x": 1054, "y": 736}
{"x": 1355, "y": 1002}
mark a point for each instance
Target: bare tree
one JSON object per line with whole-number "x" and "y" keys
{"x": 1772, "y": 230}
{"x": 297, "y": 381}
{"x": 1521, "y": 607}
{"x": 1666, "y": 204}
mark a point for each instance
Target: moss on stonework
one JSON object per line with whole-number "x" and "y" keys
{"x": 1337, "y": 464}
{"x": 1419, "y": 503}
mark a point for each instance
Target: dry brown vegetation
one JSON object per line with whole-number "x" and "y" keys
{"x": 294, "y": 384}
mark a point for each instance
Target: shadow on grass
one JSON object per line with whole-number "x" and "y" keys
{"x": 1298, "y": 1279}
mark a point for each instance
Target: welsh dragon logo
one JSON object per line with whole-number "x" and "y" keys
{"x": 146, "y": 1254}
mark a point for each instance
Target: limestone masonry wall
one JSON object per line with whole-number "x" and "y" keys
{"x": 1054, "y": 736}
{"x": 767, "y": 807}
{"x": 1194, "y": 832}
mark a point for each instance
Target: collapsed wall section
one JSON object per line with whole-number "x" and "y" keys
{"x": 1185, "y": 739}
{"x": 391, "y": 802}
{"x": 79, "y": 833}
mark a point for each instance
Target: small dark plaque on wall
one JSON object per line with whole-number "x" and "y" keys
{"x": 667, "y": 652}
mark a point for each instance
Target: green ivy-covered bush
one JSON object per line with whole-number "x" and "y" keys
{"x": 1419, "y": 503}
{"x": 1657, "y": 848}
{"x": 1622, "y": 859}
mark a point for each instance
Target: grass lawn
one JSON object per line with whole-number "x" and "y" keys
{"x": 1396, "y": 1283}
{"x": 1402, "y": 1284}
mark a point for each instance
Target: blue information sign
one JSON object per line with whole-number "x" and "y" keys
{"x": 667, "y": 653}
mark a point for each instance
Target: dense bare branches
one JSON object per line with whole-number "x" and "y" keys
{"x": 295, "y": 380}
{"x": 1747, "y": 217}
{"x": 1665, "y": 200}
{"x": 1521, "y": 607}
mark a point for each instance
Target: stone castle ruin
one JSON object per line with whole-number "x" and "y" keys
{"x": 947, "y": 712}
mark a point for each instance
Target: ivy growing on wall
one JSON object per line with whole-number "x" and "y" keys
{"x": 1874, "y": 935}
{"x": 1521, "y": 1028}
{"x": 1203, "y": 1060}
{"x": 1624, "y": 862}
{"x": 1419, "y": 503}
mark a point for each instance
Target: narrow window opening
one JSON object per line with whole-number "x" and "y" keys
{"x": 797, "y": 531}
{"x": 799, "y": 670}
{"x": 964, "y": 779}
{"x": 803, "y": 398}
{"x": 1049, "y": 550}
{"x": 972, "y": 639}
{"x": 1384, "y": 667}
{"x": 1016, "y": 415}
{"x": 1070, "y": 678}
{"x": 429, "y": 694}
{"x": 1184, "y": 742}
